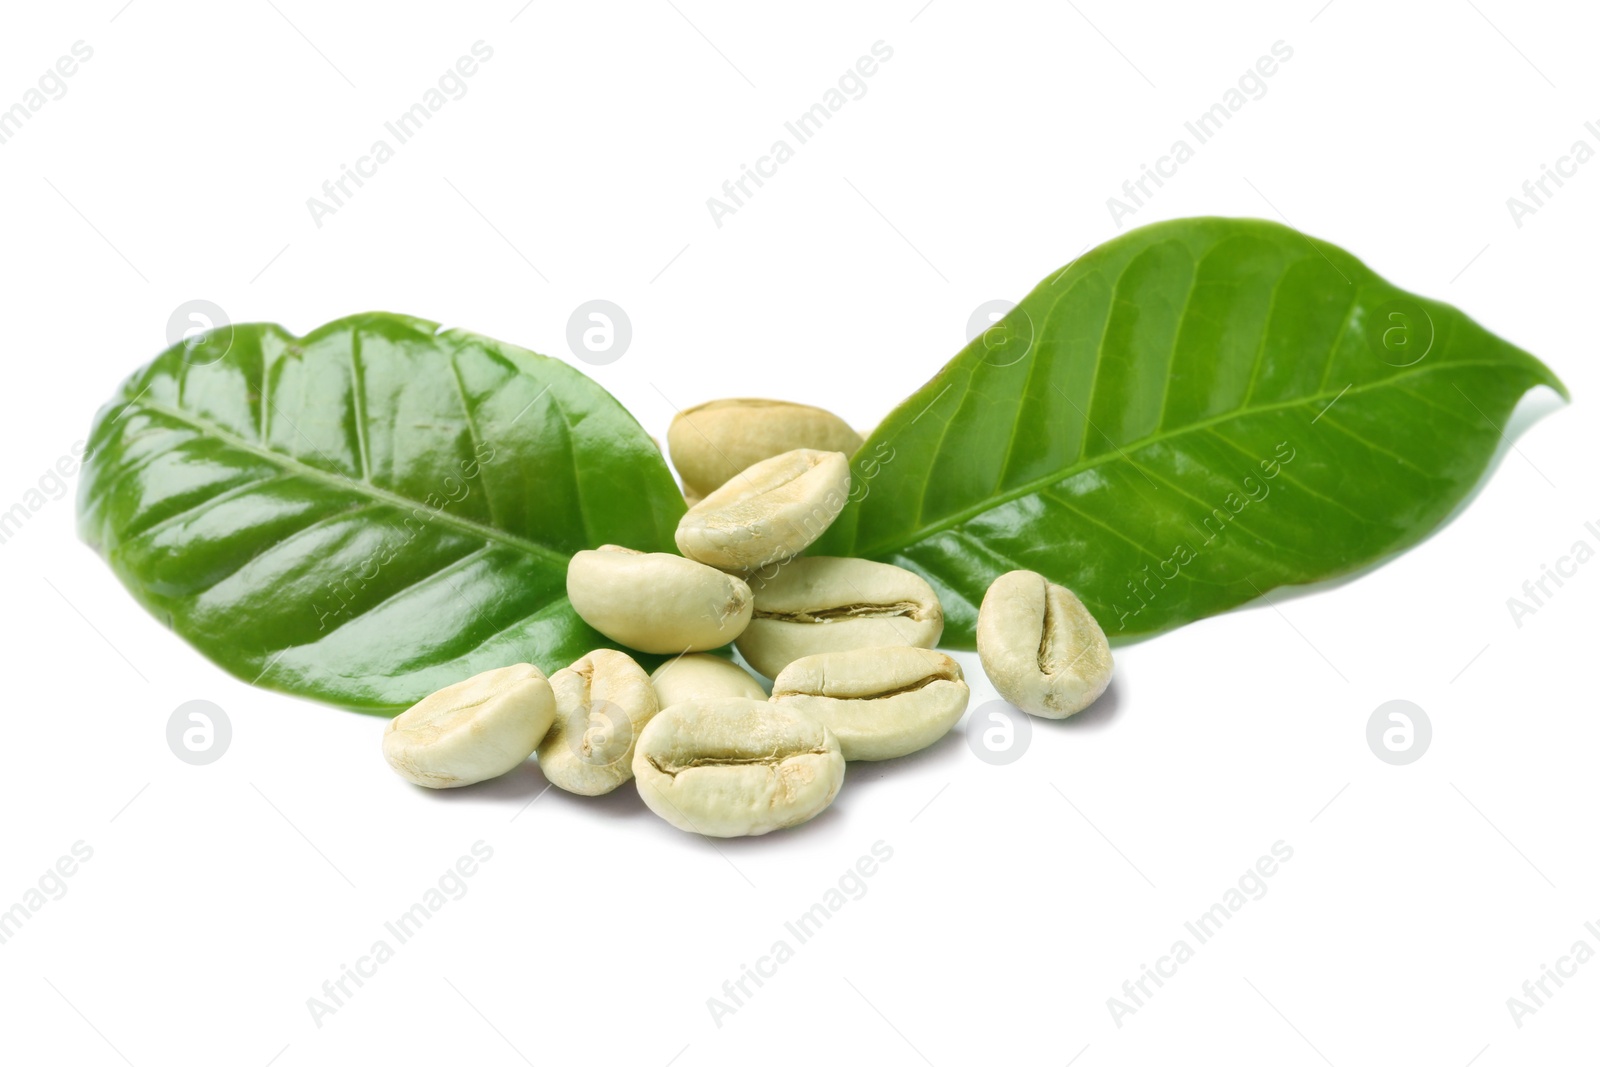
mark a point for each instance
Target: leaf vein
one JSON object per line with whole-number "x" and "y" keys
{"x": 1266, "y": 332}
{"x": 358, "y": 402}
{"x": 436, "y": 574}
{"x": 1374, "y": 446}
{"x": 472, "y": 429}
{"x": 879, "y": 548}
{"x": 134, "y": 534}
{"x": 1341, "y": 505}
{"x": 1233, "y": 516}
{"x": 348, "y": 484}
{"x": 1048, "y": 495}
{"x": 1338, "y": 338}
{"x": 1177, "y": 334}
{"x": 933, "y": 459}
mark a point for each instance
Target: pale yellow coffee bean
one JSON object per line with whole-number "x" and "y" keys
{"x": 602, "y": 703}
{"x": 655, "y": 601}
{"x": 473, "y": 730}
{"x": 714, "y": 441}
{"x": 821, "y": 604}
{"x": 881, "y": 703}
{"x": 703, "y": 676}
{"x": 1040, "y": 646}
{"x": 768, "y": 512}
{"x": 732, "y": 767}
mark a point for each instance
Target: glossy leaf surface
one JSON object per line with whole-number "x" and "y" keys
{"x": 1184, "y": 418}
{"x": 370, "y": 512}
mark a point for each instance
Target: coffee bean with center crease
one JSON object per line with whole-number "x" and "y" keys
{"x": 712, "y": 442}
{"x": 880, "y": 703}
{"x": 1040, "y": 646}
{"x": 768, "y": 512}
{"x": 474, "y": 730}
{"x": 602, "y": 703}
{"x": 821, "y": 604}
{"x": 655, "y": 601}
{"x": 732, "y": 767}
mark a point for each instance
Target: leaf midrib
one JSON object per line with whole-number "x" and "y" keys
{"x": 1055, "y": 477}
{"x": 365, "y": 488}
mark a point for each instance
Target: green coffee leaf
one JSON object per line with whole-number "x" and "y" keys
{"x": 371, "y": 512}
{"x": 1184, "y": 418}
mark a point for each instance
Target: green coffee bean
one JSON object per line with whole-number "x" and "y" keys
{"x": 732, "y": 767}
{"x": 712, "y": 442}
{"x": 703, "y": 676}
{"x": 768, "y": 512}
{"x": 602, "y": 703}
{"x": 655, "y": 601}
{"x": 821, "y": 604}
{"x": 880, "y": 703}
{"x": 473, "y": 730}
{"x": 1040, "y": 646}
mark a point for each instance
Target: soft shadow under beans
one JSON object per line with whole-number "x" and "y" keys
{"x": 514, "y": 788}
{"x": 525, "y": 784}
{"x": 946, "y": 752}
{"x": 622, "y": 802}
{"x": 831, "y": 818}
{"x": 1096, "y": 716}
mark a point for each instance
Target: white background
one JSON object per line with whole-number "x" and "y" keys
{"x": 1018, "y": 899}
